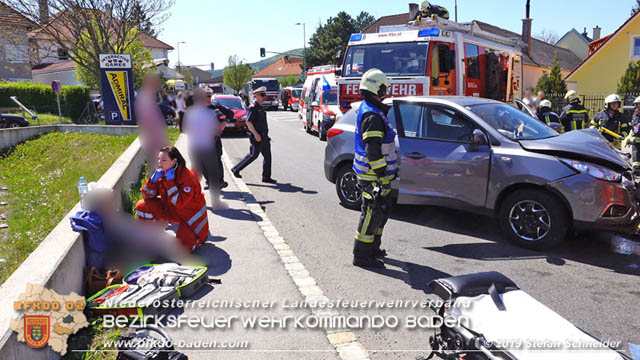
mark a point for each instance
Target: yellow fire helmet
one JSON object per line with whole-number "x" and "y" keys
{"x": 572, "y": 95}
{"x": 375, "y": 81}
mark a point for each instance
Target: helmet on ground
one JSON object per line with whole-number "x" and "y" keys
{"x": 613, "y": 98}
{"x": 636, "y": 101}
{"x": 424, "y": 5}
{"x": 375, "y": 82}
{"x": 571, "y": 95}
{"x": 545, "y": 103}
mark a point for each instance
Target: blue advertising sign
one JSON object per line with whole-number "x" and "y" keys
{"x": 117, "y": 89}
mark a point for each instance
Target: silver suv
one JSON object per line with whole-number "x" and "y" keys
{"x": 489, "y": 157}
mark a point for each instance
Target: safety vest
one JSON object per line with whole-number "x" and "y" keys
{"x": 578, "y": 117}
{"x": 364, "y": 168}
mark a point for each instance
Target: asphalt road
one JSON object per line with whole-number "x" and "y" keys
{"x": 583, "y": 281}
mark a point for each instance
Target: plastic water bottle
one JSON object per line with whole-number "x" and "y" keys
{"x": 83, "y": 189}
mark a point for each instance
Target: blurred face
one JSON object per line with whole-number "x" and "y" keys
{"x": 260, "y": 98}
{"x": 165, "y": 162}
{"x": 638, "y": 106}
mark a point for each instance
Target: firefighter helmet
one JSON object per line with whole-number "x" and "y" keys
{"x": 613, "y": 98}
{"x": 636, "y": 101}
{"x": 424, "y": 5}
{"x": 545, "y": 104}
{"x": 375, "y": 82}
{"x": 572, "y": 96}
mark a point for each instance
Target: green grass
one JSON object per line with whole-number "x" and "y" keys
{"x": 93, "y": 338}
{"x": 45, "y": 119}
{"x": 42, "y": 176}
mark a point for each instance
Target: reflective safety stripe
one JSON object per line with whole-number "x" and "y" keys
{"x": 366, "y": 195}
{"x": 367, "y": 221}
{"x": 367, "y": 177}
{"x": 577, "y": 111}
{"x": 379, "y": 231}
{"x": 372, "y": 134}
{"x": 172, "y": 190}
{"x": 202, "y": 224}
{"x": 635, "y": 163}
{"x": 380, "y": 163}
{"x": 144, "y": 215}
{"x": 197, "y": 216}
{"x": 364, "y": 238}
{"x": 174, "y": 199}
{"x": 546, "y": 118}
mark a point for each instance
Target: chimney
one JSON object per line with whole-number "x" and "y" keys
{"x": 596, "y": 32}
{"x": 584, "y": 33}
{"x": 414, "y": 10}
{"x": 526, "y": 30}
{"x": 43, "y": 7}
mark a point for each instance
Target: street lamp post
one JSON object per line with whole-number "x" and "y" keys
{"x": 179, "y": 42}
{"x": 304, "y": 39}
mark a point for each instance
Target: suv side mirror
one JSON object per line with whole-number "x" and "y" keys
{"x": 338, "y": 71}
{"x": 479, "y": 138}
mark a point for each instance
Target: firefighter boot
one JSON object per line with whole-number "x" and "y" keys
{"x": 377, "y": 251}
{"x": 363, "y": 255}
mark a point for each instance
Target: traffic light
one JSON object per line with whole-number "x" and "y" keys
{"x": 262, "y": 52}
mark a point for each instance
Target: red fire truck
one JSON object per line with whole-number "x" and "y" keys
{"x": 434, "y": 57}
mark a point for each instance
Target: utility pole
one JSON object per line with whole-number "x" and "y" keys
{"x": 304, "y": 53}
{"x": 179, "y": 64}
{"x": 456, "y": 10}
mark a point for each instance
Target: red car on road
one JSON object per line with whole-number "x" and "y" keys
{"x": 239, "y": 122}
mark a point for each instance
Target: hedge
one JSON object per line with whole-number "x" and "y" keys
{"x": 42, "y": 99}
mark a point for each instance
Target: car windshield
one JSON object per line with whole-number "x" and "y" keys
{"x": 392, "y": 59}
{"x": 512, "y": 122}
{"x": 271, "y": 85}
{"x": 217, "y": 89}
{"x": 330, "y": 96}
{"x": 230, "y": 103}
{"x": 296, "y": 93}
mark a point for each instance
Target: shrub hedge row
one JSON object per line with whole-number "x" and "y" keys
{"x": 40, "y": 97}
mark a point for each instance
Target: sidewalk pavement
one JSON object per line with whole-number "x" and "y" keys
{"x": 239, "y": 254}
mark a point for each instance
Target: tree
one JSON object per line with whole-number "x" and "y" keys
{"x": 84, "y": 29}
{"x": 635, "y": 7}
{"x": 548, "y": 36}
{"x": 289, "y": 80}
{"x": 334, "y": 36}
{"x": 141, "y": 60}
{"x": 236, "y": 74}
{"x": 630, "y": 81}
{"x": 143, "y": 22}
{"x": 552, "y": 83}
{"x": 188, "y": 78}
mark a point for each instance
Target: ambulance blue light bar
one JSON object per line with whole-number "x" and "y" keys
{"x": 428, "y": 32}
{"x": 355, "y": 37}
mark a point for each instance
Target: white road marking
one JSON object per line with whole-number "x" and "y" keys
{"x": 345, "y": 342}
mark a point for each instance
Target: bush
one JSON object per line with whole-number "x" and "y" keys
{"x": 40, "y": 97}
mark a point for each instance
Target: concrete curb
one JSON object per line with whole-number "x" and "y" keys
{"x": 12, "y": 137}
{"x": 58, "y": 261}
{"x": 345, "y": 342}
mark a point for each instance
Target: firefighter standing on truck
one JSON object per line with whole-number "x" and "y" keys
{"x": 612, "y": 119}
{"x": 574, "y": 116}
{"x": 375, "y": 165}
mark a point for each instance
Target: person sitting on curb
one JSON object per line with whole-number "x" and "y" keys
{"x": 173, "y": 194}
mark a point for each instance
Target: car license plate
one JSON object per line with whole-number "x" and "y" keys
{"x": 230, "y": 125}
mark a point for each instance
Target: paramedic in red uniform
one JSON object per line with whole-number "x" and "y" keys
{"x": 173, "y": 194}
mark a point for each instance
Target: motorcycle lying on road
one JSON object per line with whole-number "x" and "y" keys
{"x": 487, "y": 317}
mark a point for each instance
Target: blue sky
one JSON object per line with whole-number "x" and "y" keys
{"x": 215, "y": 29}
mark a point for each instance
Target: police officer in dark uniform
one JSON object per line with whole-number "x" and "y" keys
{"x": 545, "y": 114}
{"x": 228, "y": 114}
{"x": 574, "y": 116}
{"x": 611, "y": 118}
{"x": 375, "y": 165}
{"x": 259, "y": 138}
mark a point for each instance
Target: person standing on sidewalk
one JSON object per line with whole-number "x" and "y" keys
{"x": 181, "y": 107}
{"x": 259, "y": 138}
{"x": 228, "y": 114}
{"x": 202, "y": 126}
{"x": 153, "y": 128}
{"x": 375, "y": 165}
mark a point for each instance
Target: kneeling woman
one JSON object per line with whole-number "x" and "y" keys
{"x": 173, "y": 194}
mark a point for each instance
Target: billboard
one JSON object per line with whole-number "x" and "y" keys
{"x": 117, "y": 89}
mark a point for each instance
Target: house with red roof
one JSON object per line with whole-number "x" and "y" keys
{"x": 15, "y": 62}
{"x": 285, "y": 66}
